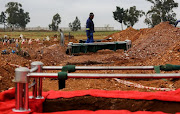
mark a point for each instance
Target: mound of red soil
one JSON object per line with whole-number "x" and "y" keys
{"x": 50, "y": 53}
{"x": 123, "y": 35}
{"x": 156, "y": 43}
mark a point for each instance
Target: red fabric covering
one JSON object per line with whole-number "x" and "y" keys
{"x": 7, "y": 95}
{"x": 164, "y": 96}
{"x": 103, "y": 112}
{"x": 35, "y": 106}
{"x": 7, "y": 101}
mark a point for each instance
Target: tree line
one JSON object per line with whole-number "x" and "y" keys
{"x": 14, "y": 16}
{"x": 161, "y": 10}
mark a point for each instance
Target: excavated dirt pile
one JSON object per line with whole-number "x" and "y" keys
{"x": 156, "y": 44}
{"x": 50, "y": 53}
{"x": 150, "y": 46}
{"x": 128, "y": 34}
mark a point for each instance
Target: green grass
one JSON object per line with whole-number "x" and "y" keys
{"x": 97, "y": 35}
{"x": 34, "y": 35}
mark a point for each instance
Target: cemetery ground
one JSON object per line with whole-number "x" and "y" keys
{"x": 42, "y": 34}
{"x": 150, "y": 47}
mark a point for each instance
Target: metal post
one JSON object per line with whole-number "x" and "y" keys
{"x": 18, "y": 97}
{"x": 34, "y": 88}
{"x": 62, "y": 39}
{"x": 62, "y": 84}
{"x": 26, "y": 97}
{"x": 34, "y": 91}
{"x": 70, "y": 47}
{"x": 40, "y": 89}
{"x": 22, "y": 93}
{"x": 128, "y": 44}
{"x": 39, "y": 65}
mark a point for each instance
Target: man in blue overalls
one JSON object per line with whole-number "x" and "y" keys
{"x": 177, "y": 22}
{"x": 90, "y": 28}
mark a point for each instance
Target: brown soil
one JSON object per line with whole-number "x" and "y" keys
{"x": 152, "y": 46}
{"x": 124, "y": 35}
{"x": 99, "y": 103}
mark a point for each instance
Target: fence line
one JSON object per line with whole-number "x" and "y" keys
{"x": 62, "y": 28}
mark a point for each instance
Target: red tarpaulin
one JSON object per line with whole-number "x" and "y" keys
{"x": 7, "y": 100}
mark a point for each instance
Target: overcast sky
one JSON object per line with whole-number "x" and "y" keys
{"x": 42, "y": 11}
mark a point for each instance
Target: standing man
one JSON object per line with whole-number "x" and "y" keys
{"x": 90, "y": 28}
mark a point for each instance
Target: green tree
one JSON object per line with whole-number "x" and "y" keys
{"x": 76, "y": 25}
{"x": 16, "y": 15}
{"x": 23, "y": 18}
{"x": 55, "y": 22}
{"x": 119, "y": 15}
{"x": 3, "y": 19}
{"x": 132, "y": 16}
{"x": 161, "y": 11}
{"x": 127, "y": 17}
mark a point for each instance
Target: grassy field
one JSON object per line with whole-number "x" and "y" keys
{"x": 78, "y": 35}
